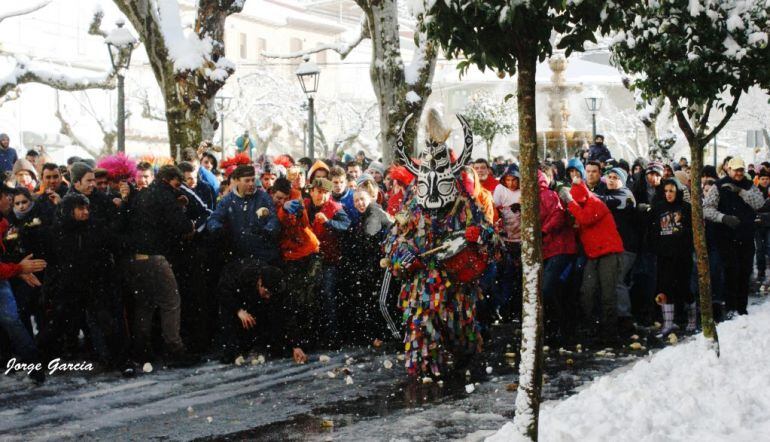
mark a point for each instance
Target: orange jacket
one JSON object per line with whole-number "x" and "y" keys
{"x": 297, "y": 238}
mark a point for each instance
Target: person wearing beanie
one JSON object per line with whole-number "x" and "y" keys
{"x": 102, "y": 208}
{"x": 603, "y": 247}
{"x": 8, "y": 155}
{"x": 247, "y": 217}
{"x": 377, "y": 170}
{"x": 620, "y": 200}
{"x": 79, "y": 283}
{"x": 329, "y": 221}
{"x": 575, "y": 168}
{"x": 732, "y": 204}
{"x": 24, "y": 174}
{"x": 268, "y": 176}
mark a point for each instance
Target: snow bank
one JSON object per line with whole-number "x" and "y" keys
{"x": 680, "y": 393}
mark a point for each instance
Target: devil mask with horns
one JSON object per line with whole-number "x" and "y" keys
{"x": 436, "y": 175}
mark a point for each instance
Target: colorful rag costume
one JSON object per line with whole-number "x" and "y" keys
{"x": 438, "y": 248}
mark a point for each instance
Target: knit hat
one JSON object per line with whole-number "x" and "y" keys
{"x": 363, "y": 178}
{"x": 682, "y": 177}
{"x": 377, "y": 167}
{"x": 79, "y": 170}
{"x": 24, "y": 164}
{"x": 575, "y": 163}
{"x": 513, "y": 170}
{"x": 620, "y": 173}
{"x": 4, "y": 137}
{"x": 322, "y": 183}
{"x": 654, "y": 167}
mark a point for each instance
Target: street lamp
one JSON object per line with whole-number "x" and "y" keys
{"x": 594, "y": 104}
{"x": 222, "y": 102}
{"x": 308, "y": 74}
{"x": 120, "y": 43}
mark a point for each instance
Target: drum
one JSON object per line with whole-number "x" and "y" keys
{"x": 462, "y": 260}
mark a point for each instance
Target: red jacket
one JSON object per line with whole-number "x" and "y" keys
{"x": 297, "y": 239}
{"x": 7, "y": 270}
{"x": 558, "y": 235}
{"x": 596, "y": 226}
{"x": 328, "y": 233}
{"x": 490, "y": 183}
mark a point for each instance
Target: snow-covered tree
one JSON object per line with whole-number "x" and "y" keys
{"x": 189, "y": 64}
{"x": 701, "y": 56}
{"x": 24, "y": 69}
{"x": 489, "y": 117}
{"x": 510, "y": 37}
{"x": 401, "y": 90}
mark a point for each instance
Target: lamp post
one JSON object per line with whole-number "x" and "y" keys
{"x": 222, "y": 102}
{"x": 593, "y": 104}
{"x": 120, "y": 43}
{"x": 308, "y": 74}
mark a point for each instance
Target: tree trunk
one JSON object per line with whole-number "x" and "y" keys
{"x": 701, "y": 250}
{"x": 651, "y": 132}
{"x": 388, "y": 78}
{"x": 531, "y": 363}
{"x": 489, "y": 143}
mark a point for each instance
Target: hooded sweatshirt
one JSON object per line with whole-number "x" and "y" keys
{"x": 671, "y": 230}
{"x": 508, "y": 203}
{"x": 596, "y": 226}
{"x": 575, "y": 163}
{"x": 318, "y": 165}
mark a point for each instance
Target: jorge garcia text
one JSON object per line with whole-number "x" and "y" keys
{"x": 56, "y": 365}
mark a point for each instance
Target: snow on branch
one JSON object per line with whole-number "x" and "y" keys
{"x": 342, "y": 48}
{"x": 30, "y": 71}
{"x": 25, "y": 10}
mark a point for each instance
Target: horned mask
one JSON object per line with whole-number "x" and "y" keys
{"x": 436, "y": 182}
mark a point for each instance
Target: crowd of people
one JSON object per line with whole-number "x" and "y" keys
{"x": 125, "y": 261}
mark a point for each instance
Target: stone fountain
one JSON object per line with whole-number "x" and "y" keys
{"x": 559, "y": 140}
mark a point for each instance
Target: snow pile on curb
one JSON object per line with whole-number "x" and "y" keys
{"x": 683, "y": 392}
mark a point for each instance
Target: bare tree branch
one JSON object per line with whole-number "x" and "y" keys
{"x": 26, "y": 10}
{"x": 95, "y": 28}
{"x": 66, "y": 129}
{"x": 10, "y": 96}
{"x": 342, "y": 48}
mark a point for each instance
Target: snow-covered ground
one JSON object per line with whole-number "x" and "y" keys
{"x": 683, "y": 392}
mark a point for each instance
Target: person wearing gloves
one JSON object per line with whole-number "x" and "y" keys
{"x": 622, "y": 204}
{"x": 732, "y": 204}
{"x": 671, "y": 237}
{"x": 302, "y": 265}
{"x": 603, "y": 248}
{"x": 329, "y": 222}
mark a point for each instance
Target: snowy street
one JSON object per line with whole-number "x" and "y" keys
{"x": 283, "y": 401}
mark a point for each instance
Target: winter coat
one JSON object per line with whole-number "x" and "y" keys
{"x": 599, "y": 152}
{"x": 622, "y": 204}
{"x": 346, "y": 199}
{"x": 720, "y": 202}
{"x": 297, "y": 238}
{"x": 205, "y": 176}
{"x": 207, "y": 194}
{"x": 8, "y": 158}
{"x": 251, "y": 236}
{"x": 80, "y": 262}
{"x": 196, "y": 208}
{"x": 374, "y": 221}
{"x": 329, "y": 233}
{"x": 671, "y": 228}
{"x": 596, "y": 226}
{"x": 157, "y": 222}
{"x": 558, "y": 234}
{"x": 31, "y": 235}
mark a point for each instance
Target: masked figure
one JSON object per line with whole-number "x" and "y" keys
{"x": 438, "y": 248}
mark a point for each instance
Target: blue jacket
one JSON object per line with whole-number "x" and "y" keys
{"x": 207, "y": 177}
{"x": 346, "y": 199}
{"x": 7, "y": 158}
{"x": 252, "y": 237}
{"x": 599, "y": 152}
